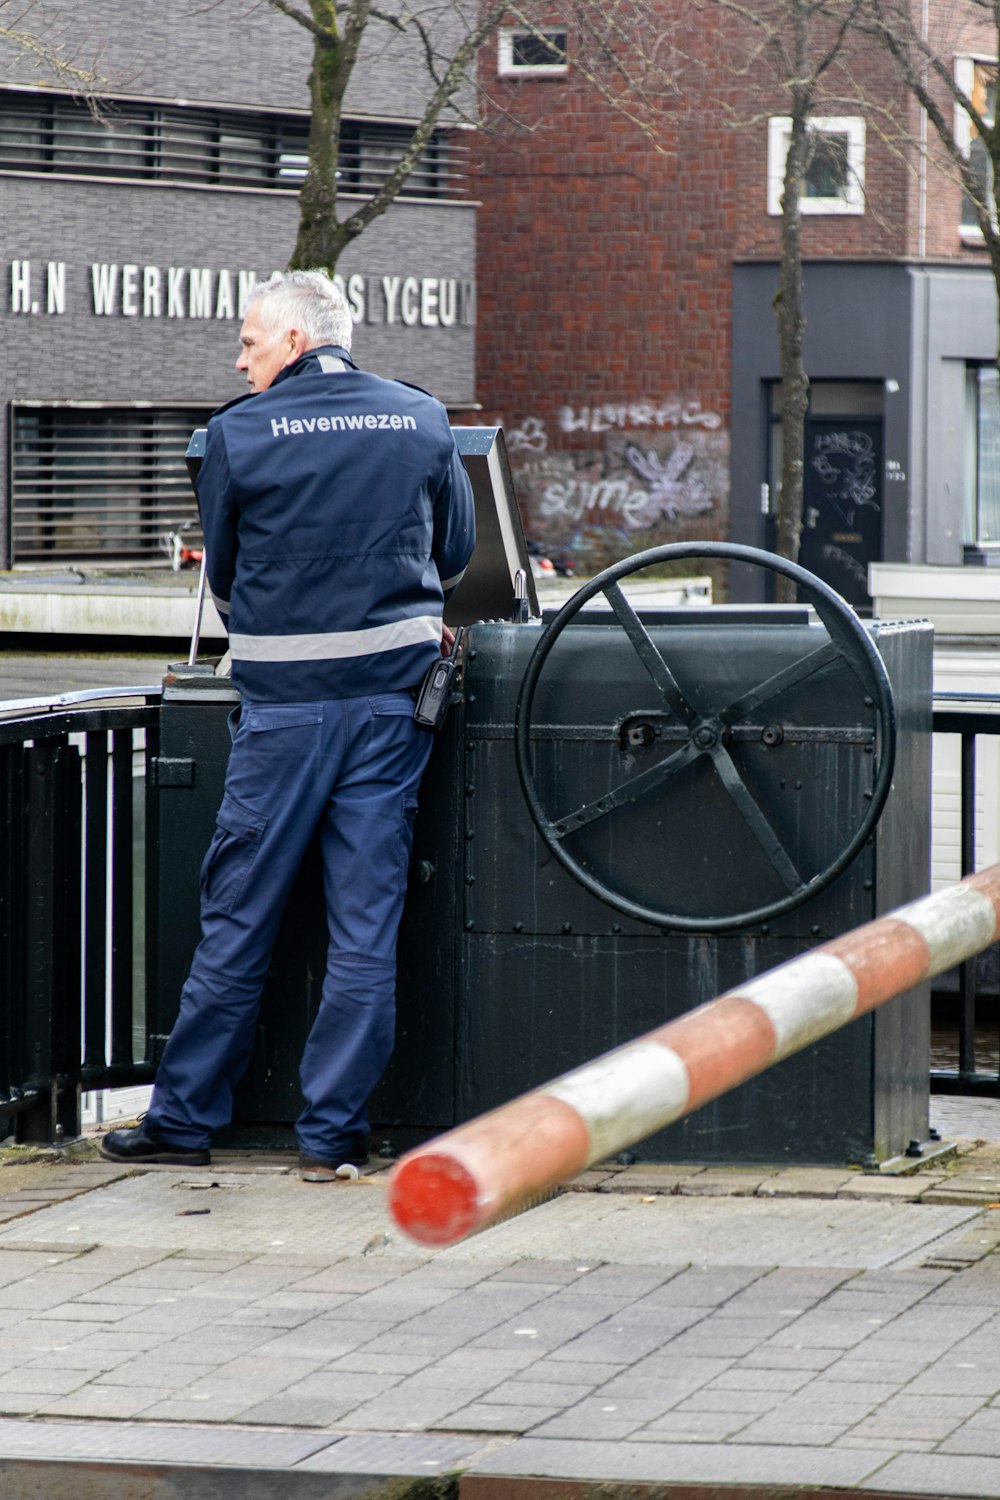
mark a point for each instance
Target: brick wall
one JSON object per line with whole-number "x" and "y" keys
{"x": 605, "y": 270}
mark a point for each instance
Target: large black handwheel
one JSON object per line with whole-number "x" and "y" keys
{"x": 710, "y": 735}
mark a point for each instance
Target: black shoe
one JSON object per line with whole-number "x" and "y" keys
{"x": 342, "y": 1165}
{"x": 136, "y": 1145}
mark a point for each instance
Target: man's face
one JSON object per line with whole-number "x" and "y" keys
{"x": 265, "y": 351}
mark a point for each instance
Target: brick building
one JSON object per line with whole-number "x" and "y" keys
{"x": 626, "y": 334}
{"x": 129, "y": 242}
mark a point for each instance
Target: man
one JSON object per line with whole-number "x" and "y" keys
{"x": 337, "y": 517}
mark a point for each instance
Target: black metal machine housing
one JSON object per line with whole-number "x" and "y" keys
{"x": 728, "y": 763}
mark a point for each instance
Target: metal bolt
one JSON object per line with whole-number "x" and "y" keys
{"x": 567, "y": 927}
{"x": 518, "y": 926}
{"x": 772, "y": 734}
{"x": 469, "y": 926}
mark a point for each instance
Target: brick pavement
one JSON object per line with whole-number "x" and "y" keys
{"x": 669, "y": 1326}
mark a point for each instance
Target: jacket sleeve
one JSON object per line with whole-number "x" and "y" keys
{"x": 454, "y": 525}
{"x": 218, "y": 520}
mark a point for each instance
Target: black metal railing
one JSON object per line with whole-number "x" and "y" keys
{"x": 968, "y": 1007}
{"x": 78, "y": 903}
{"x": 72, "y": 933}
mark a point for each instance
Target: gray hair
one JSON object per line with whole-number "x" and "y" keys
{"x": 308, "y": 300}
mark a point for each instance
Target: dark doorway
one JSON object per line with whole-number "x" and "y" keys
{"x": 843, "y": 483}
{"x": 842, "y": 503}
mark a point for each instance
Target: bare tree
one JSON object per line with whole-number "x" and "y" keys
{"x": 794, "y": 47}
{"x": 446, "y": 37}
{"x": 925, "y": 60}
{"x": 54, "y": 52}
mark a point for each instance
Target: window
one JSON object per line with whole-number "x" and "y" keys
{"x": 532, "y": 54}
{"x": 977, "y": 80}
{"x": 981, "y": 525}
{"x": 222, "y": 148}
{"x": 99, "y": 481}
{"x": 835, "y": 176}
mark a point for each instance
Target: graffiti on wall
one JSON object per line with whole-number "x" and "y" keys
{"x": 658, "y": 473}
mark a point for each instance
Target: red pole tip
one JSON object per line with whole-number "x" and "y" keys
{"x": 434, "y": 1198}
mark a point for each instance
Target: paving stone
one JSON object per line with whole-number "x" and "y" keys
{"x": 340, "y": 1387}
{"x": 19, "y": 1403}
{"x": 543, "y": 1392}
{"x": 974, "y": 1438}
{"x": 947, "y": 1378}
{"x": 938, "y": 1474}
{"x": 879, "y": 1188}
{"x": 694, "y": 1463}
{"x": 482, "y": 1416}
{"x": 719, "y": 1182}
{"x": 31, "y": 1380}
{"x": 826, "y": 1330}
{"x": 651, "y": 1179}
{"x": 285, "y": 1410}
{"x": 913, "y": 1416}
{"x": 789, "y": 1358}
{"x": 631, "y": 1281}
{"x": 488, "y": 1359}
{"x": 751, "y": 1402}
{"x": 130, "y": 1441}
{"x": 693, "y": 1427}
{"x": 543, "y": 1273}
{"x": 555, "y": 1370}
{"x": 319, "y": 1340}
{"x": 393, "y": 1453}
{"x": 104, "y": 1401}
{"x": 783, "y": 1427}
{"x": 805, "y": 1182}
{"x": 389, "y": 1364}
{"x": 739, "y": 1378}
{"x": 153, "y": 1371}
{"x": 402, "y": 1409}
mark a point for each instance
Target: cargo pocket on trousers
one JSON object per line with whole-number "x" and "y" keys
{"x": 237, "y": 837}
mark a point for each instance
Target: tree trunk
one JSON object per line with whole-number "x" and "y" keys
{"x": 791, "y": 333}
{"x": 320, "y": 238}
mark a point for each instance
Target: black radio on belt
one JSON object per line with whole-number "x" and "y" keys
{"x": 434, "y": 698}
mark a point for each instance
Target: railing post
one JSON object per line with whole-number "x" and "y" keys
{"x": 967, "y": 971}
{"x": 52, "y": 942}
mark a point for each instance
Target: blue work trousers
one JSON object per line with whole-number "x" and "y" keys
{"x": 350, "y": 769}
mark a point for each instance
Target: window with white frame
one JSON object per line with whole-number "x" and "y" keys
{"x": 835, "y": 176}
{"x": 976, "y": 78}
{"x": 533, "y": 54}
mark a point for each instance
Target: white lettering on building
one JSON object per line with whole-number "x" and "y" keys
{"x": 131, "y": 290}
{"x": 55, "y": 287}
{"x": 175, "y": 292}
{"x": 200, "y": 292}
{"x": 104, "y": 280}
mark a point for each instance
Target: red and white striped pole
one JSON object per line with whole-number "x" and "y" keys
{"x": 495, "y": 1164}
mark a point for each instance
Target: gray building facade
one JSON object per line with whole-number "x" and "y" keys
{"x": 901, "y": 435}
{"x": 129, "y": 242}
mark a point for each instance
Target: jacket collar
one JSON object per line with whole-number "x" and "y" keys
{"x": 313, "y": 360}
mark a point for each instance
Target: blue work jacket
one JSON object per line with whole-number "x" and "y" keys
{"x": 338, "y": 517}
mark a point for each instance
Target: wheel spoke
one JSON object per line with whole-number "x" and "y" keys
{"x": 780, "y": 682}
{"x": 755, "y": 819}
{"x": 648, "y": 654}
{"x": 629, "y": 791}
